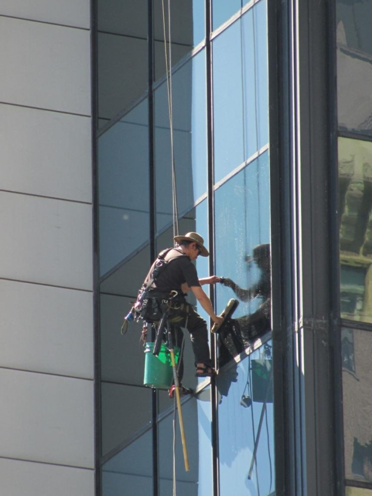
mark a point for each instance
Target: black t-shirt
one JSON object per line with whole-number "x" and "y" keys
{"x": 179, "y": 270}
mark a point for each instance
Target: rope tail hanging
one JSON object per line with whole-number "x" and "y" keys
{"x": 168, "y": 71}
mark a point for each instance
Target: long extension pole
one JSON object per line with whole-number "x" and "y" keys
{"x": 178, "y": 401}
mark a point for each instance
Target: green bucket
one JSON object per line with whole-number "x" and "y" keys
{"x": 158, "y": 370}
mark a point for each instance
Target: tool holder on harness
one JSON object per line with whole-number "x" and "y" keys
{"x": 147, "y": 306}
{"x": 166, "y": 306}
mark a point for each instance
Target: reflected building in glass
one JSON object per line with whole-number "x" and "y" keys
{"x": 231, "y": 109}
{"x": 354, "y": 71}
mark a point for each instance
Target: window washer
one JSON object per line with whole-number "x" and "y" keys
{"x": 176, "y": 278}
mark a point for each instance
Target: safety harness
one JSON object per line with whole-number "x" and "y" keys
{"x": 151, "y": 303}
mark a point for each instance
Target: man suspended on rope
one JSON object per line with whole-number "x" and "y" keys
{"x": 176, "y": 278}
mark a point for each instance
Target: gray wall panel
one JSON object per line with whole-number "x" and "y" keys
{"x": 46, "y": 241}
{"x": 45, "y": 153}
{"x": 46, "y": 418}
{"x": 68, "y": 12}
{"x": 45, "y": 66}
{"x": 47, "y": 329}
{"x": 29, "y": 478}
{"x": 46, "y": 357}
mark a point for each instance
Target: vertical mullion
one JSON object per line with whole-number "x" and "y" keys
{"x": 312, "y": 165}
{"x": 96, "y": 284}
{"x": 152, "y": 195}
{"x": 211, "y": 232}
{"x": 335, "y": 258}
{"x": 296, "y": 346}
{"x": 278, "y": 127}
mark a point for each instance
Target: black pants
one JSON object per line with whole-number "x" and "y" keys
{"x": 197, "y": 327}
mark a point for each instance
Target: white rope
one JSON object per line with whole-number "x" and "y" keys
{"x": 180, "y": 358}
{"x": 243, "y": 44}
{"x": 168, "y": 71}
{"x": 256, "y": 97}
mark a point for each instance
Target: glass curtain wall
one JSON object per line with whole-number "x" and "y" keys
{"x": 124, "y": 231}
{"x": 227, "y": 198}
{"x": 242, "y": 244}
{"x": 354, "y": 77}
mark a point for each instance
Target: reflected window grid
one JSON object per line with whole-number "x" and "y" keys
{"x": 354, "y": 76}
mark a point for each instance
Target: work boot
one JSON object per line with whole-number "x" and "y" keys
{"x": 204, "y": 370}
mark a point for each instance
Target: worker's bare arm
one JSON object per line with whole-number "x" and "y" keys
{"x": 205, "y": 302}
{"x": 210, "y": 280}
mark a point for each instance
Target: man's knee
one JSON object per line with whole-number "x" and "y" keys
{"x": 199, "y": 332}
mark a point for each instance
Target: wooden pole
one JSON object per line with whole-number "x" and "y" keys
{"x": 180, "y": 417}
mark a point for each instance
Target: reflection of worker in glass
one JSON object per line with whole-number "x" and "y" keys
{"x": 259, "y": 321}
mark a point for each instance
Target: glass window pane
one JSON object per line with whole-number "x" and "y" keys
{"x": 123, "y": 402}
{"x": 254, "y": 43}
{"x": 197, "y": 425}
{"x": 247, "y": 465}
{"x": 186, "y": 481}
{"x": 222, "y": 11}
{"x": 122, "y": 43}
{"x": 355, "y": 182}
{"x": 243, "y": 252}
{"x": 357, "y": 402}
{"x": 240, "y": 91}
{"x": 260, "y": 20}
{"x": 354, "y": 61}
{"x": 187, "y": 30}
{"x": 228, "y": 101}
{"x": 129, "y": 471}
{"x": 122, "y": 357}
{"x": 129, "y": 275}
{"x": 202, "y": 263}
{"x": 189, "y": 127}
{"x": 123, "y": 189}
{"x": 204, "y": 442}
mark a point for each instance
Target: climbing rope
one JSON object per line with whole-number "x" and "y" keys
{"x": 256, "y": 94}
{"x": 174, "y": 422}
{"x": 168, "y": 72}
{"x": 256, "y": 98}
{"x": 253, "y": 424}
